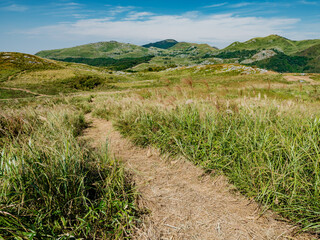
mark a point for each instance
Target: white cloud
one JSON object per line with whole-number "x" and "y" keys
{"x": 119, "y": 9}
{"x": 239, "y": 5}
{"x": 218, "y": 30}
{"x": 308, "y": 3}
{"x": 69, "y": 5}
{"x": 138, "y": 15}
{"x": 15, "y": 8}
{"x": 216, "y": 5}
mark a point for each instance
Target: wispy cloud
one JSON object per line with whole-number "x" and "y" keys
{"x": 216, "y": 5}
{"x": 239, "y": 5}
{"x": 138, "y": 16}
{"x": 119, "y": 9}
{"x": 181, "y": 27}
{"x": 308, "y": 2}
{"x": 69, "y": 5}
{"x": 15, "y": 8}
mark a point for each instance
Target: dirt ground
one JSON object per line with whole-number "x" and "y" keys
{"x": 184, "y": 202}
{"x": 292, "y": 78}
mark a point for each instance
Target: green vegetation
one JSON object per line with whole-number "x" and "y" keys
{"x": 273, "y": 42}
{"x": 84, "y": 82}
{"x": 111, "y": 63}
{"x": 12, "y": 63}
{"x": 241, "y": 54}
{"x": 53, "y": 185}
{"x": 268, "y": 154}
{"x": 293, "y": 56}
{"x": 7, "y": 93}
{"x": 283, "y": 63}
{"x": 258, "y": 129}
{"x": 110, "y": 49}
{"x": 313, "y": 53}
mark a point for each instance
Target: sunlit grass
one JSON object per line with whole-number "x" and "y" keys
{"x": 54, "y": 186}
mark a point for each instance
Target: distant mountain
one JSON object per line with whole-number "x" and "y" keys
{"x": 120, "y": 56}
{"x": 273, "y": 52}
{"x": 110, "y": 49}
{"x": 164, "y": 44}
{"x": 279, "y": 43}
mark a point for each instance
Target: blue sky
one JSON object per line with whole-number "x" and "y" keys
{"x": 32, "y": 25}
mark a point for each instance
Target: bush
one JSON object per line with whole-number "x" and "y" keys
{"x": 84, "y": 82}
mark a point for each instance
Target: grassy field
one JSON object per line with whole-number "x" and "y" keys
{"x": 258, "y": 129}
{"x": 267, "y": 146}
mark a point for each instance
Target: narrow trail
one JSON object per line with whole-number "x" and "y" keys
{"x": 183, "y": 201}
{"x": 24, "y": 90}
{"x": 307, "y": 79}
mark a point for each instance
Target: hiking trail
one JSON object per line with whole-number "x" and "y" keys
{"x": 184, "y": 202}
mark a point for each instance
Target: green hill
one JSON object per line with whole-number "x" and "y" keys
{"x": 282, "y": 44}
{"x": 13, "y": 62}
{"x": 22, "y": 61}
{"x": 193, "y": 49}
{"x": 110, "y": 49}
{"x": 272, "y": 52}
{"x": 164, "y": 44}
{"x": 313, "y": 53}
{"x": 25, "y": 75}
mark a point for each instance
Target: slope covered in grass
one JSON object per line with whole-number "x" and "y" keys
{"x": 273, "y": 42}
{"x": 13, "y": 62}
{"x": 313, "y": 53}
{"x": 283, "y": 63}
{"x": 110, "y": 49}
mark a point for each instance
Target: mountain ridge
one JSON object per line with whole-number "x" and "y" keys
{"x": 262, "y": 51}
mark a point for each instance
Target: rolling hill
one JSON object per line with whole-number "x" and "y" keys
{"x": 22, "y": 61}
{"x": 110, "y": 49}
{"x": 279, "y": 43}
{"x": 272, "y": 52}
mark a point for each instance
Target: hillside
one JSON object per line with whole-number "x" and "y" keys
{"x": 121, "y": 56}
{"x": 313, "y": 53}
{"x": 164, "y": 44}
{"x": 22, "y": 61}
{"x": 13, "y": 62}
{"x": 281, "y": 62}
{"x": 282, "y": 44}
{"x": 24, "y": 75}
{"x": 110, "y": 49}
{"x": 272, "y": 52}
{"x": 193, "y": 49}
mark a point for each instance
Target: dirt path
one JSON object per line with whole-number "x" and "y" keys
{"x": 24, "y": 90}
{"x": 184, "y": 202}
{"x": 307, "y": 79}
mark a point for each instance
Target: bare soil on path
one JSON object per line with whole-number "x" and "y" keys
{"x": 292, "y": 78}
{"x": 184, "y": 202}
{"x": 24, "y": 90}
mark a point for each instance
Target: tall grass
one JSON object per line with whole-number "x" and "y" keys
{"x": 271, "y": 156}
{"x": 53, "y": 186}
